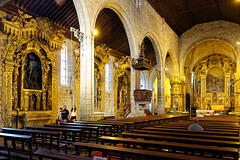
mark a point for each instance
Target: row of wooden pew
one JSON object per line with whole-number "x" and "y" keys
{"x": 60, "y": 136}
{"x": 219, "y": 140}
{"x": 165, "y": 137}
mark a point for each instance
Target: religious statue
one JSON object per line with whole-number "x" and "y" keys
{"x": 32, "y": 72}
{"x": 32, "y": 102}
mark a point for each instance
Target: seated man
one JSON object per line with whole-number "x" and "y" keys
{"x": 216, "y": 114}
{"x": 212, "y": 114}
{"x": 200, "y": 115}
{"x": 223, "y": 114}
{"x": 195, "y": 126}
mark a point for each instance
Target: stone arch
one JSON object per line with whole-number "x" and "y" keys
{"x": 169, "y": 75}
{"x": 227, "y": 50}
{"x": 153, "y": 72}
{"x": 152, "y": 77}
{"x": 174, "y": 62}
{"x": 129, "y": 29}
{"x": 157, "y": 49}
{"x": 83, "y": 16}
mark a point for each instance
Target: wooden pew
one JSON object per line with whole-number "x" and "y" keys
{"x": 117, "y": 127}
{"x": 17, "y": 138}
{"x": 43, "y": 135}
{"x": 192, "y": 132}
{"x": 140, "y": 122}
{"x": 102, "y": 128}
{"x": 68, "y": 134}
{"x": 188, "y": 134}
{"x": 57, "y": 156}
{"x": 173, "y": 146}
{"x": 137, "y": 153}
{"x": 205, "y": 129}
{"x": 186, "y": 140}
{"x": 87, "y": 130}
{"x": 205, "y": 125}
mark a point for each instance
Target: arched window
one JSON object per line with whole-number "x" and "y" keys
{"x": 63, "y": 67}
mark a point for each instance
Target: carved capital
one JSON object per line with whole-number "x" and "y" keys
{"x": 158, "y": 73}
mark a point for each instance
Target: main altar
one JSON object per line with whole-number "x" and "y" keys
{"x": 214, "y": 82}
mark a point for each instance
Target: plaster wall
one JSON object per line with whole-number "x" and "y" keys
{"x": 66, "y": 92}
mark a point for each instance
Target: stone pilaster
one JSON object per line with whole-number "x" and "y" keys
{"x": 87, "y": 79}
{"x": 160, "y": 92}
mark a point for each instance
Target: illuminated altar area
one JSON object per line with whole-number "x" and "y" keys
{"x": 214, "y": 83}
{"x": 30, "y": 71}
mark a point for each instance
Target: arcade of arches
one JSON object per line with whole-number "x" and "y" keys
{"x": 135, "y": 65}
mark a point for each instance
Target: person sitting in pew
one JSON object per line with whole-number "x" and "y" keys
{"x": 200, "y": 115}
{"x": 216, "y": 114}
{"x": 223, "y": 114}
{"x": 208, "y": 114}
{"x": 195, "y": 126}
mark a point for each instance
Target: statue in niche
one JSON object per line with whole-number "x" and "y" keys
{"x": 32, "y": 72}
{"x": 214, "y": 99}
{"x": 199, "y": 88}
{"x": 32, "y": 102}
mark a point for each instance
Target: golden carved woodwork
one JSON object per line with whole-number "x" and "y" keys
{"x": 206, "y": 93}
{"x": 76, "y": 52}
{"x": 26, "y": 35}
{"x": 122, "y": 86}
{"x": 101, "y": 57}
{"x": 177, "y": 93}
{"x": 23, "y": 26}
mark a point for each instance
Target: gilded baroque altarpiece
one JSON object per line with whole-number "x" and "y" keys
{"x": 30, "y": 68}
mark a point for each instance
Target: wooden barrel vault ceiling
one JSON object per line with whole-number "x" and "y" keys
{"x": 181, "y": 15}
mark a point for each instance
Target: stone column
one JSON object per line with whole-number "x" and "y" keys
{"x": 160, "y": 92}
{"x": 134, "y": 106}
{"x": 87, "y": 79}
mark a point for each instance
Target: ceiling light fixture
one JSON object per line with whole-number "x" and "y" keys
{"x": 95, "y": 32}
{"x": 238, "y": 41}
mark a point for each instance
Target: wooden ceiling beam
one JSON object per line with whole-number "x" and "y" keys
{"x": 59, "y": 10}
{"x": 43, "y": 7}
{"x": 49, "y": 8}
{"x": 71, "y": 23}
{"x": 191, "y": 13}
{"x": 72, "y": 17}
{"x": 219, "y": 9}
{"x": 39, "y": 6}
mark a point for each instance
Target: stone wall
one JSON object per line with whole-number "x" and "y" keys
{"x": 138, "y": 24}
{"x": 218, "y": 30}
{"x": 66, "y": 92}
{"x": 205, "y": 39}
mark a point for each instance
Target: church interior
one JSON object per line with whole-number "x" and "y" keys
{"x": 134, "y": 64}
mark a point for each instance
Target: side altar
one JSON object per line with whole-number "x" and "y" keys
{"x": 30, "y": 69}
